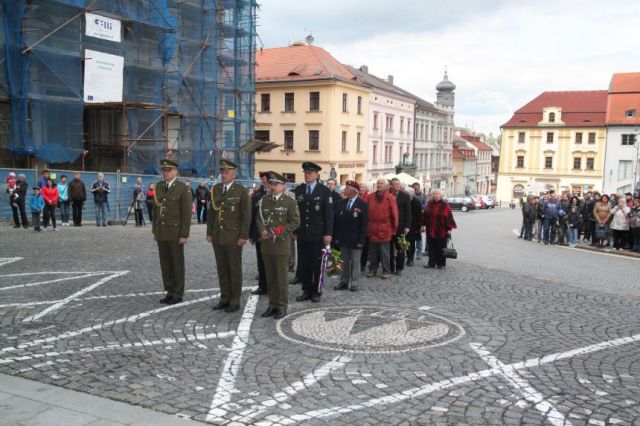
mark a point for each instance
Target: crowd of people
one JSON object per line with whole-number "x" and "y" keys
{"x": 599, "y": 219}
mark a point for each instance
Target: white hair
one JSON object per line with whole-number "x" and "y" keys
{"x": 411, "y": 192}
{"x": 100, "y": 174}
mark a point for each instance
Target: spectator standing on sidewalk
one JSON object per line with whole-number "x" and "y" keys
{"x": 620, "y": 223}
{"x": 438, "y": 221}
{"x": 540, "y": 217}
{"x": 64, "y": 201}
{"x": 78, "y": 195}
{"x": 51, "y": 197}
{"x": 529, "y": 217}
{"x": 601, "y": 214}
{"x": 634, "y": 225}
{"x": 383, "y": 223}
{"x": 151, "y": 195}
{"x": 36, "y": 203}
{"x": 573, "y": 221}
{"x": 551, "y": 211}
{"x": 201, "y": 195}
{"x": 17, "y": 199}
{"x": 414, "y": 236}
{"x": 100, "y": 190}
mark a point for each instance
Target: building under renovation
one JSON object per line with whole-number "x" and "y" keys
{"x": 118, "y": 84}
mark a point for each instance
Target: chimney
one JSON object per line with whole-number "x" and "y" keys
{"x": 364, "y": 69}
{"x": 390, "y": 79}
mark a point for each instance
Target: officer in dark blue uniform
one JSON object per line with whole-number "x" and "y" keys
{"x": 316, "y": 227}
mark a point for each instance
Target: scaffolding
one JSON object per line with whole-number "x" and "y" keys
{"x": 188, "y": 84}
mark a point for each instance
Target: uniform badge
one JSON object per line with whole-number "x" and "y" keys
{"x": 317, "y": 207}
{"x": 233, "y": 209}
{"x": 330, "y": 200}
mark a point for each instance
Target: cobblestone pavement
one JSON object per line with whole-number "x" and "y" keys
{"x": 512, "y": 332}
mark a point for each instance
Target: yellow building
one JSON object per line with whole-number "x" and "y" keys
{"x": 556, "y": 141}
{"x": 313, "y": 107}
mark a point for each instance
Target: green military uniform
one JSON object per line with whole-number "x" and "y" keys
{"x": 228, "y": 221}
{"x": 281, "y": 217}
{"x": 172, "y": 221}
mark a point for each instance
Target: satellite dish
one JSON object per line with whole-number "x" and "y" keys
{"x": 309, "y": 39}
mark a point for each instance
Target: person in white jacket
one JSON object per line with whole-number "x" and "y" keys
{"x": 620, "y": 223}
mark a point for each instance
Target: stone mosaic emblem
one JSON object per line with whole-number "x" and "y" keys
{"x": 369, "y": 329}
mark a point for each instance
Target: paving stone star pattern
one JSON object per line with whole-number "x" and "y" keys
{"x": 488, "y": 340}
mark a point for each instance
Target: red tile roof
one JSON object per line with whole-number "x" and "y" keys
{"x": 299, "y": 63}
{"x": 579, "y": 108}
{"x": 624, "y": 95}
{"x": 456, "y": 154}
{"x": 481, "y": 146}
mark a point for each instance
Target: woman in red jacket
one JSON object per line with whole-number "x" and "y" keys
{"x": 383, "y": 222}
{"x": 437, "y": 219}
{"x": 50, "y": 195}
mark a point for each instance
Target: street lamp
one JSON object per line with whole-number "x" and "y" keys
{"x": 487, "y": 179}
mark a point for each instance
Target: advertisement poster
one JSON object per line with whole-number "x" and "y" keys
{"x": 103, "y": 75}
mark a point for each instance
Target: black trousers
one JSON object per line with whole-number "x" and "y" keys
{"x": 139, "y": 218}
{"x": 76, "y": 211}
{"x": 262, "y": 277}
{"x": 619, "y": 238}
{"x": 19, "y": 212}
{"x": 397, "y": 256}
{"x": 309, "y": 260}
{"x": 436, "y": 254}
{"x": 49, "y": 213}
{"x": 412, "y": 237}
{"x": 150, "y": 211}
{"x": 201, "y": 212}
{"x": 365, "y": 255}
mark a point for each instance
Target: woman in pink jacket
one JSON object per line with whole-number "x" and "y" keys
{"x": 51, "y": 196}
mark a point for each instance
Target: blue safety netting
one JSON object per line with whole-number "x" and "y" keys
{"x": 188, "y": 82}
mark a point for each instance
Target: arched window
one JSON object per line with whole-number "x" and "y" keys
{"x": 552, "y": 117}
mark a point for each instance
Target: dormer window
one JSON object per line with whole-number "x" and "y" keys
{"x": 552, "y": 117}
{"x": 630, "y": 113}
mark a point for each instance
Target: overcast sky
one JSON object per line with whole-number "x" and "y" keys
{"x": 499, "y": 53}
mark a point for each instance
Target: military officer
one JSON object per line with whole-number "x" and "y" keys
{"x": 278, "y": 218}
{"x": 171, "y": 225}
{"x": 316, "y": 227}
{"x": 253, "y": 232}
{"x": 228, "y": 230}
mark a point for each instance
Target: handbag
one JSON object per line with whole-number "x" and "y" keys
{"x": 601, "y": 231}
{"x": 449, "y": 251}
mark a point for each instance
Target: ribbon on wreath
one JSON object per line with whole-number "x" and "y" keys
{"x": 324, "y": 263}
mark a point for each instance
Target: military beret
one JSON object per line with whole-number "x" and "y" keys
{"x": 276, "y": 178}
{"x": 168, "y": 164}
{"x": 264, "y": 174}
{"x": 353, "y": 184}
{"x": 227, "y": 164}
{"x": 308, "y": 166}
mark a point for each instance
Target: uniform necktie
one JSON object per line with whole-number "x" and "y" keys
{"x": 308, "y": 190}
{"x": 224, "y": 192}
{"x": 349, "y": 205}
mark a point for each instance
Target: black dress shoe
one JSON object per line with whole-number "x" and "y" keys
{"x": 279, "y": 313}
{"x": 354, "y": 288}
{"x": 409, "y": 262}
{"x": 268, "y": 313}
{"x": 231, "y": 308}
{"x": 295, "y": 280}
{"x": 174, "y": 300}
{"x": 302, "y": 297}
{"x": 440, "y": 267}
{"x": 398, "y": 273}
{"x": 220, "y": 306}
{"x": 341, "y": 286}
{"x": 315, "y": 298}
{"x": 429, "y": 266}
{"x": 259, "y": 292}
{"x": 165, "y": 299}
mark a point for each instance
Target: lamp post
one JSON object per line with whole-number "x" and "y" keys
{"x": 487, "y": 179}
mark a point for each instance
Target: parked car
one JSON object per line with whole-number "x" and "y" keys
{"x": 488, "y": 201}
{"x": 461, "y": 203}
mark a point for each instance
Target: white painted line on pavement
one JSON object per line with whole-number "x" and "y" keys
{"x": 8, "y": 260}
{"x": 547, "y": 409}
{"x": 132, "y": 318}
{"x": 92, "y": 274}
{"x": 79, "y": 293}
{"x": 447, "y": 383}
{"x": 227, "y": 381}
{"x": 306, "y": 382}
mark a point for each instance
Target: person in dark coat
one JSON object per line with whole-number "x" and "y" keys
{"x": 351, "y": 233}
{"x": 335, "y": 195}
{"x": 437, "y": 219}
{"x": 414, "y": 235}
{"x": 17, "y": 200}
{"x": 528, "y": 217}
{"x": 316, "y": 229}
{"x": 404, "y": 223}
{"x": 201, "y": 196}
{"x": 254, "y": 235}
{"x": 78, "y": 195}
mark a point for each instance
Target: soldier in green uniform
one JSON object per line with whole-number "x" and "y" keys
{"x": 228, "y": 223}
{"x": 171, "y": 225}
{"x": 278, "y": 217}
